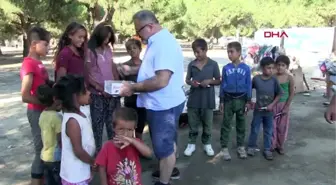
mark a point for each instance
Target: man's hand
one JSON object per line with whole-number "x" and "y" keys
{"x": 123, "y": 141}
{"x": 221, "y": 107}
{"x": 126, "y": 89}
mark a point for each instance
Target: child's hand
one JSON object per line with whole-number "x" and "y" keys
{"x": 205, "y": 83}
{"x": 94, "y": 167}
{"x": 247, "y": 108}
{"x": 123, "y": 140}
{"x": 221, "y": 107}
{"x": 269, "y": 108}
{"x": 106, "y": 95}
{"x": 252, "y": 104}
{"x": 123, "y": 69}
{"x": 195, "y": 84}
{"x": 126, "y": 69}
{"x": 285, "y": 110}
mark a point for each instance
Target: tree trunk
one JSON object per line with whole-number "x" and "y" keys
{"x": 238, "y": 34}
{"x": 23, "y": 26}
{"x": 94, "y": 19}
{"x": 108, "y": 16}
{"x": 25, "y": 45}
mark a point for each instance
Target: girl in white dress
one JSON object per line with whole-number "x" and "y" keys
{"x": 78, "y": 145}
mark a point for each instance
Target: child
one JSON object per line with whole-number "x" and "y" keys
{"x": 118, "y": 160}
{"x": 50, "y": 123}
{"x": 203, "y": 73}
{"x": 100, "y": 67}
{"x": 235, "y": 93}
{"x": 33, "y": 74}
{"x": 281, "y": 109}
{"x": 133, "y": 47}
{"x": 78, "y": 145}
{"x": 268, "y": 93}
{"x": 70, "y": 53}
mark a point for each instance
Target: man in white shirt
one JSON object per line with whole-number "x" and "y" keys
{"x": 160, "y": 84}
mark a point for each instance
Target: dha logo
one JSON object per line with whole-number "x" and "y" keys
{"x": 275, "y": 34}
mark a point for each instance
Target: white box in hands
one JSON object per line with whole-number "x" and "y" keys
{"x": 112, "y": 87}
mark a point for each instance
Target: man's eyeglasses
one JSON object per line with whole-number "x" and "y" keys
{"x": 139, "y": 30}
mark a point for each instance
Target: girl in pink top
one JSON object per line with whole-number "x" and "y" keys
{"x": 100, "y": 67}
{"x": 70, "y": 53}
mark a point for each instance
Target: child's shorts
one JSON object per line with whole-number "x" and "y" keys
{"x": 86, "y": 182}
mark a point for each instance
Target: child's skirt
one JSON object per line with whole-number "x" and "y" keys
{"x": 280, "y": 126}
{"x": 86, "y": 182}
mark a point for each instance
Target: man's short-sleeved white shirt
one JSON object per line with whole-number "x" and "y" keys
{"x": 163, "y": 53}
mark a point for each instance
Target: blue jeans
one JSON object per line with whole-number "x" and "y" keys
{"x": 163, "y": 130}
{"x": 265, "y": 118}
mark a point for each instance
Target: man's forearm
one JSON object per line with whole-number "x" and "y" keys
{"x": 149, "y": 85}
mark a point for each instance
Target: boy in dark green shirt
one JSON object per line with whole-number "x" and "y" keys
{"x": 203, "y": 73}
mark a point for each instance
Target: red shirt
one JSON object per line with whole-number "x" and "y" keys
{"x": 122, "y": 165}
{"x": 40, "y": 76}
{"x": 73, "y": 63}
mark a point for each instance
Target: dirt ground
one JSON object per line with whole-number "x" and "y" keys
{"x": 310, "y": 157}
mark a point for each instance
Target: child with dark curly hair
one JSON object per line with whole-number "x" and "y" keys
{"x": 50, "y": 123}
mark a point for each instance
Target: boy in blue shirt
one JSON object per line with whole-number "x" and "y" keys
{"x": 235, "y": 93}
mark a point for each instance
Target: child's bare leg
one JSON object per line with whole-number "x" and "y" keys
{"x": 36, "y": 181}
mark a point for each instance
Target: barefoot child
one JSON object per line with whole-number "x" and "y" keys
{"x": 202, "y": 75}
{"x": 78, "y": 145}
{"x": 281, "y": 109}
{"x": 268, "y": 93}
{"x": 235, "y": 93}
{"x": 133, "y": 47}
{"x": 118, "y": 160}
{"x": 33, "y": 74}
{"x": 50, "y": 124}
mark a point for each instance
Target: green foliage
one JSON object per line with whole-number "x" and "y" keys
{"x": 20, "y": 15}
{"x": 185, "y": 18}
